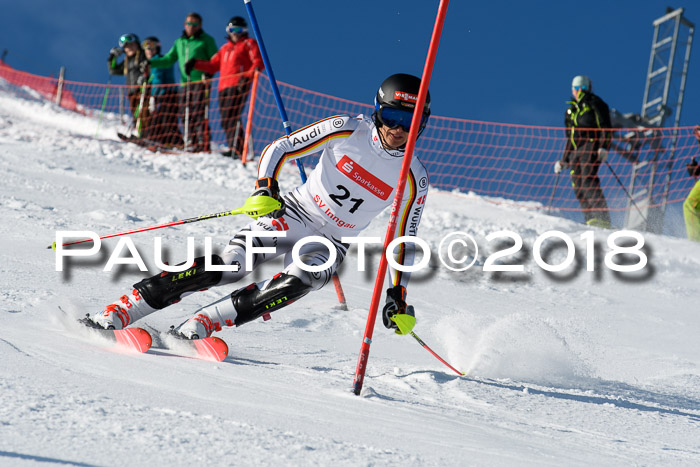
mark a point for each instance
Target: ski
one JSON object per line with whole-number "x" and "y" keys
{"x": 152, "y": 146}
{"x": 136, "y": 339}
{"x": 209, "y": 348}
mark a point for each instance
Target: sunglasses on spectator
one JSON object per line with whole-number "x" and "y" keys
{"x": 578, "y": 88}
{"x": 192, "y": 23}
{"x": 234, "y": 29}
{"x": 150, "y": 45}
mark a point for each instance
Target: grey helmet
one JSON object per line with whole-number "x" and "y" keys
{"x": 582, "y": 81}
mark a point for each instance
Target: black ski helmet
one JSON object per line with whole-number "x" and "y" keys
{"x": 400, "y": 91}
{"x": 128, "y": 38}
{"x": 237, "y": 21}
{"x": 151, "y": 41}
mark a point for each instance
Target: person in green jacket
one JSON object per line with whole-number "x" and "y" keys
{"x": 194, "y": 95}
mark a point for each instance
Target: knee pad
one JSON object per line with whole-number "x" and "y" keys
{"x": 251, "y": 302}
{"x": 167, "y": 287}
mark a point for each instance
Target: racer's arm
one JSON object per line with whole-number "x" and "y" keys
{"x": 303, "y": 142}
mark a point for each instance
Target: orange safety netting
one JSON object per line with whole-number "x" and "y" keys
{"x": 508, "y": 163}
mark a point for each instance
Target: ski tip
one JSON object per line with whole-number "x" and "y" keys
{"x": 134, "y": 338}
{"x": 211, "y": 348}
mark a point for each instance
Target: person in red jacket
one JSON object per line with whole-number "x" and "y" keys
{"x": 237, "y": 60}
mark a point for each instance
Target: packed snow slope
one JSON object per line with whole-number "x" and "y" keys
{"x": 563, "y": 368}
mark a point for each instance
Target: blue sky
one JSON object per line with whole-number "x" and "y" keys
{"x": 502, "y": 61}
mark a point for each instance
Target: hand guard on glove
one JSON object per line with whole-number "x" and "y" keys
{"x": 396, "y": 305}
{"x": 189, "y": 66}
{"x": 268, "y": 186}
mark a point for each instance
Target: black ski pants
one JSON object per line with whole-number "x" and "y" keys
{"x": 231, "y": 103}
{"x": 584, "y": 165}
{"x": 194, "y": 100}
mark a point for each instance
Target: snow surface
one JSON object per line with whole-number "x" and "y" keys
{"x": 572, "y": 368}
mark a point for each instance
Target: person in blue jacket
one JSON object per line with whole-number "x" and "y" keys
{"x": 163, "y": 100}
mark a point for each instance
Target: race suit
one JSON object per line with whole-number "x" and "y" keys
{"x": 353, "y": 182}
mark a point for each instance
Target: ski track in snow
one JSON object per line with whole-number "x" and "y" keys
{"x": 575, "y": 369}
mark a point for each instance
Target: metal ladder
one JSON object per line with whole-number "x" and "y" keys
{"x": 663, "y": 98}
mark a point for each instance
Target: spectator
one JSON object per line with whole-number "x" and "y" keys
{"x": 162, "y": 103}
{"x": 588, "y": 122}
{"x": 135, "y": 68}
{"x": 194, "y": 43}
{"x": 691, "y": 206}
{"x": 237, "y": 60}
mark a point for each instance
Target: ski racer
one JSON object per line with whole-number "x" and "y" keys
{"x": 353, "y": 182}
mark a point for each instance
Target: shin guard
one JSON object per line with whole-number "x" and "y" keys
{"x": 251, "y": 302}
{"x": 168, "y": 287}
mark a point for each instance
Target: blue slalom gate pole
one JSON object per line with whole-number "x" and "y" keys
{"x": 285, "y": 120}
{"x": 273, "y": 82}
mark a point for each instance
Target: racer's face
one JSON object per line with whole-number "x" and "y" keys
{"x": 393, "y": 138}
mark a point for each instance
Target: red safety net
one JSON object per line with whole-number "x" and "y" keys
{"x": 506, "y": 163}
{"x": 47, "y": 87}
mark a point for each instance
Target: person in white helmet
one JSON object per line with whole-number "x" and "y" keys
{"x": 589, "y": 134}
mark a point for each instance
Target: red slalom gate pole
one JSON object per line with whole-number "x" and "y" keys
{"x": 400, "y": 187}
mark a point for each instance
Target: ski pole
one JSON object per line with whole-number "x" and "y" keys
{"x": 255, "y": 206}
{"x": 405, "y": 323}
{"x": 551, "y": 198}
{"x": 625, "y": 190}
{"x": 187, "y": 103}
{"x": 104, "y": 104}
{"x": 139, "y": 111}
{"x": 206, "y": 82}
{"x": 425, "y": 346}
{"x": 285, "y": 121}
